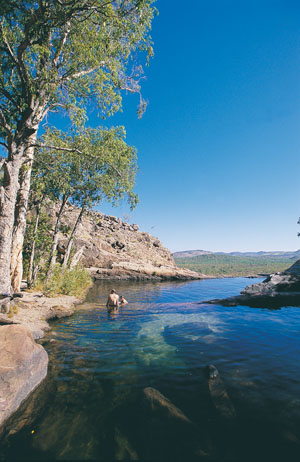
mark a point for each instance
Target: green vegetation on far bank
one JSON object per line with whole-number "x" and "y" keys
{"x": 227, "y": 265}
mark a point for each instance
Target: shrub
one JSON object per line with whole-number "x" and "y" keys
{"x": 75, "y": 281}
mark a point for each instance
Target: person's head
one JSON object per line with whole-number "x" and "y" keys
{"x": 112, "y": 291}
{"x": 122, "y": 297}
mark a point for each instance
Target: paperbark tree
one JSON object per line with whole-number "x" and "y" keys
{"x": 58, "y": 55}
{"x": 86, "y": 167}
{"x": 105, "y": 171}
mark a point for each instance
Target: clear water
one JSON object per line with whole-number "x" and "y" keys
{"x": 101, "y": 362}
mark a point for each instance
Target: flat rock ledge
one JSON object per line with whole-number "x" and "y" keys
{"x": 34, "y": 310}
{"x": 142, "y": 272}
{"x": 23, "y": 365}
{"x": 277, "y": 290}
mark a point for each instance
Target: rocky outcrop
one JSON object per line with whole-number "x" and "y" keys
{"x": 286, "y": 282}
{"x": 23, "y": 365}
{"x": 113, "y": 249}
{"x": 34, "y": 310}
{"x": 277, "y": 290}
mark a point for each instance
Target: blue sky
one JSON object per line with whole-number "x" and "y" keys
{"x": 219, "y": 143}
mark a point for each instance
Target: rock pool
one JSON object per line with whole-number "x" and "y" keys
{"x": 90, "y": 407}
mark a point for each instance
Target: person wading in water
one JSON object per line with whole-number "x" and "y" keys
{"x": 112, "y": 301}
{"x": 123, "y": 301}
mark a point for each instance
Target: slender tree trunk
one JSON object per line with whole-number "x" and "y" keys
{"x": 8, "y": 198}
{"x": 34, "y": 274}
{"x": 52, "y": 261}
{"x": 76, "y": 257}
{"x": 16, "y": 268}
{"x": 31, "y": 260}
{"x": 71, "y": 239}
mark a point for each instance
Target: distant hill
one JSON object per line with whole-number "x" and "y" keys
{"x": 275, "y": 254}
{"x": 191, "y": 253}
{"x": 223, "y": 264}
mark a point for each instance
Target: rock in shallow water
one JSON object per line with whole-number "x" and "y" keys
{"x": 169, "y": 433}
{"x": 23, "y": 365}
{"x": 219, "y": 394}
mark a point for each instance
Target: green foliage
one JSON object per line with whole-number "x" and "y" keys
{"x": 75, "y": 281}
{"x": 59, "y": 55}
{"x": 87, "y": 166}
{"x": 227, "y": 265}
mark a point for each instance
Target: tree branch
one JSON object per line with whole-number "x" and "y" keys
{"x": 82, "y": 73}
{"x": 59, "y": 148}
{"x": 61, "y": 45}
{"x": 11, "y": 53}
{"x": 2, "y": 160}
{"x": 6, "y": 146}
{"x": 6, "y": 126}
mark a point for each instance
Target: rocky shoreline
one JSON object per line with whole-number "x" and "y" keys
{"x": 127, "y": 271}
{"x": 34, "y": 310}
{"x": 277, "y": 290}
{"x": 24, "y": 363}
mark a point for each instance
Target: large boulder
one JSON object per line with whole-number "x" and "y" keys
{"x": 23, "y": 365}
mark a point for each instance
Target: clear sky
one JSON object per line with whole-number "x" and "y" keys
{"x": 219, "y": 144}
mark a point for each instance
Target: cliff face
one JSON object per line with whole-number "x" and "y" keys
{"x": 113, "y": 249}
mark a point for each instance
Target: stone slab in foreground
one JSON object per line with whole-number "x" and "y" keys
{"x": 23, "y": 365}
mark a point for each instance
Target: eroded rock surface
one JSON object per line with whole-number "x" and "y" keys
{"x": 34, "y": 310}
{"x": 113, "y": 249}
{"x": 23, "y": 365}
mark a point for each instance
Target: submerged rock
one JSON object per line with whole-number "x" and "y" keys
{"x": 219, "y": 394}
{"x": 169, "y": 431}
{"x": 123, "y": 450}
{"x": 23, "y": 365}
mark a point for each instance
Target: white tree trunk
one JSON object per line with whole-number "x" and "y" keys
{"x": 55, "y": 238}
{"x": 31, "y": 260}
{"x": 71, "y": 239}
{"x": 8, "y": 198}
{"x": 20, "y": 219}
{"x": 76, "y": 258}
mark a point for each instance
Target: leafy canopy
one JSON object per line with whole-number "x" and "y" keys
{"x": 86, "y": 166}
{"x": 59, "y": 54}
